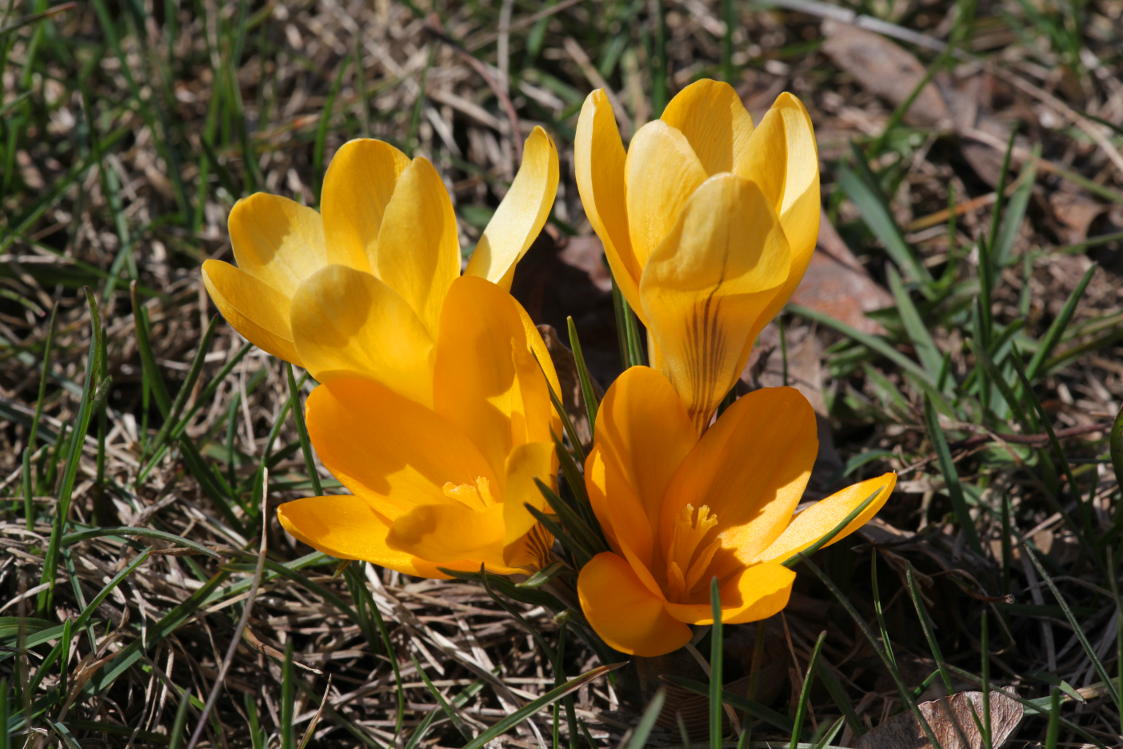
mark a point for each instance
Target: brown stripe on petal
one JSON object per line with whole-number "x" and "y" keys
{"x": 540, "y": 544}
{"x": 705, "y": 342}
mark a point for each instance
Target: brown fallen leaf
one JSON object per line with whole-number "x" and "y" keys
{"x": 572, "y": 401}
{"x": 1074, "y": 214}
{"x": 886, "y": 69}
{"x": 952, "y": 721}
{"x": 836, "y": 284}
{"x": 560, "y": 278}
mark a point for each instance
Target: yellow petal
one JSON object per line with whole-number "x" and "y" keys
{"x": 617, "y": 506}
{"x": 625, "y": 614}
{"x": 521, "y": 214}
{"x": 824, "y": 516}
{"x": 750, "y": 468}
{"x": 530, "y": 552}
{"x": 277, "y": 240}
{"x": 711, "y": 116}
{"x": 486, "y": 380}
{"x": 358, "y": 185}
{"x": 754, "y": 593}
{"x": 707, "y": 284}
{"x": 418, "y": 250}
{"x": 783, "y": 159}
{"x": 598, "y": 165}
{"x": 662, "y": 172}
{"x": 443, "y": 533}
{"x": 349, "y": 527}
{"x": 534, "y": 460}
{"x": 347, "y": 322}
{"x": 643, "y": 433}
{"x": 385, "y": 447}
{"x": 253, "y": 308}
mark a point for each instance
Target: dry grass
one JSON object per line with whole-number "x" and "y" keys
{"x": 129, "y": 129}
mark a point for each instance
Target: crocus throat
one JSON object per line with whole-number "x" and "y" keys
{"x": 693, "y": 543}
{"x": 476, "y": 495}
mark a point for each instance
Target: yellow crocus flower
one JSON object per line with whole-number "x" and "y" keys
{"x": 679, "y": 510}
{"x": 390, "y": 217}
{"x": 708, "y": 224}
{"x": 442, "y": 485}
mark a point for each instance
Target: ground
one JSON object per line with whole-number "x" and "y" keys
{"x": 962, "y": 325}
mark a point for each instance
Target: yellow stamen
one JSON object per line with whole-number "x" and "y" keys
{"x": 476, "y": 495}
{"x": 692, "y": 546}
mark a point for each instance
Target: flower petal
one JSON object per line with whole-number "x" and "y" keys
{"x": 707, "y": 284}
{"x": 598, "y": 165}
{"x": 713, "y": 119}
{"x": 821, "y": 518}
{"x": 642, "y": 435}
{"x": 276, "y": 240}
{"x": 624, "y": 511}
{"x": 521, "y": 214}
{"x": 624, "y": 612}
{"x": 348, "y": 527}
{"x": 534, "y": 460}
{"x": 486, "y": 379}
{"x": 662, "y": 172}
{"x": 418, "y": 249}
{"x": 253, "y": 308}
{"x": 387, "y": 448}
{"x": 532, "y": 551}
{"x": 359, "y": 182}
{"x": 783, "y": 159}
{"x": 451, "y": 532}
{"x": 347, "y": 322}
{"x": 756, "y": 592}
{"x": 750, "y": 468}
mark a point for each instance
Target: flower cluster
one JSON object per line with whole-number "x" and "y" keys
{"x": 435, "y": 407}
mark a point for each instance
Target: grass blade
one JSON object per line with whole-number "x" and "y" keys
{"x": 534, "y": 706}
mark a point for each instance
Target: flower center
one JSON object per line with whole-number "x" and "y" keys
{"x": 693, "y": 544}
{"x": 476, "y": 495}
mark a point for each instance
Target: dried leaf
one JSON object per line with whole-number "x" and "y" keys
{"x": 952, "y": 723}
{"x": 887, "y": 70}
{"x": 570, "y": 385}
{"x": 836, "y": 284}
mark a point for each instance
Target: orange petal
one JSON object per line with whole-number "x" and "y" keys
{"x": 521, "y": 214}
{"x": 382, "y": 445}
{"x": 347, "y": 322}
{"x": 713, "y": 119}
{"x": 359, "y": 182}
{"x": 821, "y": 518}
{"x": 750, "y": 468}
{"x": 450, "y": 532}
{"x": 348, "y": 527}
{"x": 253, "y": 308}
{"x": 277, "y": 240}
{"x": 486, "y": 381}
{"x": 662, "y": 172}
{"x": 706, "y": 286}
{"x": 534, "y": 460}
{"x": 643, "y": 433}
{"x": 418, "y": 249}
{"x": 598, "y": 165}
{"x": 623, "y": 612}
{"x": 754, "y": 593}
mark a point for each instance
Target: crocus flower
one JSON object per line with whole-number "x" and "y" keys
{"x": 708, "y": 224}
{"x": 388, "y": 216}
{"x": 679, "y": 510}
{"x": 442, "y": 486}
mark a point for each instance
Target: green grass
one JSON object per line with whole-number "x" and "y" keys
{"x": 146, "y": 593}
